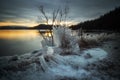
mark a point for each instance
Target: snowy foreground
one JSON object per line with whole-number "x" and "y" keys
{"x": 36, "y": 66}
{"x": 50, "y": 63}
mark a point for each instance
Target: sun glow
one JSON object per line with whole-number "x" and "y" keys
{"x": 31, "y": 24}
{"x": 68, "y": 23}
{"x": 48, "y": 34}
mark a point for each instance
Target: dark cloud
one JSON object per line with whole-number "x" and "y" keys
{"x": 93, "y": 8}
{"x": 79, "y": 9}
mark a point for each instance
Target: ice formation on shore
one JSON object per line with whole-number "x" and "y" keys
{"x": 51, "y": 63}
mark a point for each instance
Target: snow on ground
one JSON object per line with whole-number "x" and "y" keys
{"x": 49, "y": 63}
{"x": 39, "y": 66}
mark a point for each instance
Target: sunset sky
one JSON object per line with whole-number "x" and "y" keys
{"x": 26, "y": 12}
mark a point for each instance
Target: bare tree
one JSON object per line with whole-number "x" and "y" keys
{"x": 42, "y": 10}
{"x": 58, "y": 15}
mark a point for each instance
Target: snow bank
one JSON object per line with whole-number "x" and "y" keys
{"x": 37, "y": 66}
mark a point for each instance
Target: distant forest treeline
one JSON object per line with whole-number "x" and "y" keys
{"x": 109, "y": 21}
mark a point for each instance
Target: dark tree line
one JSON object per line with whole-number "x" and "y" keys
{"x": 109, "y": 21}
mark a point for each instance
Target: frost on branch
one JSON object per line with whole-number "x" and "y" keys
{"x": 63, "y": 39}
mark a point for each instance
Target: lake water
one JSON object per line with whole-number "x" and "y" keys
{"x": 17, "y": 42}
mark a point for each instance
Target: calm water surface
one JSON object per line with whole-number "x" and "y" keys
{"x": 17, "y": 42}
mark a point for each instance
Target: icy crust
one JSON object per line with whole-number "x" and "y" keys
{"x": 41, "y": 66}
{"x": 65, "y": 60}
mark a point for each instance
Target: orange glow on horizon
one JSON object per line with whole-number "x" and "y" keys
{"x": 31, "y": 24}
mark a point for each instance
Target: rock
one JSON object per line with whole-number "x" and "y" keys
{"x": 14, "y": 58}
{"x": 87, "y": 56}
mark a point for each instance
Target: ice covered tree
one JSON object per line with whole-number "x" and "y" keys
{"x": 57, "y": 17}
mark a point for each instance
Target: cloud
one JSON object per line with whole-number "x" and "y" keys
{"x": 79, "y": 9}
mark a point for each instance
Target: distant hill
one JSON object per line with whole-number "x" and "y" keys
{"x": 108, "y": 21}
{"x": 43, "y": 26}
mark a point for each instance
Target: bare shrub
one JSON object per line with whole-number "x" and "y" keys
{"x": 94, "y": 40}
{"x": 65, "y": 43}
{"x": 85, "y": 43}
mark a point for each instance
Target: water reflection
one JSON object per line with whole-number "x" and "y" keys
{"x": 18, "y": 34}
{"x": 17, "y": 42}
